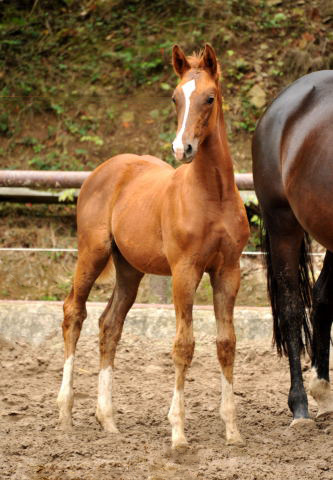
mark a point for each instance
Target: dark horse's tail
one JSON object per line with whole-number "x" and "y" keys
{"x": 305, "y": 283}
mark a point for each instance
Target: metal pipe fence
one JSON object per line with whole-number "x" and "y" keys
{"x": 69, "y": 179}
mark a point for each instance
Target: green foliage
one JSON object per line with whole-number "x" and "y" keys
{"x": 67, "y": 69}
{"x": 38, "y": 147}
{"x": 253, "y": 213}
{"x": 249, "y": 118}
{"x": 57, "y": 108}
{"x": 276, "y": 20}
{"x": 4, "y": 124}
{"x": 50, "y": 298}
{"x": 67, "y": 195}
{"x": 92, "y": 138}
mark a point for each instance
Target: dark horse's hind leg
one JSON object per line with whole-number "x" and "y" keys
{"x": 111, "y": 326}
{"x": 322, "y": 317}
{"x": 285, "y": 238}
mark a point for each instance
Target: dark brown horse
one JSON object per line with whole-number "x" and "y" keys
{"x": 146, "y": 217}
{"x": 293, "y": 177}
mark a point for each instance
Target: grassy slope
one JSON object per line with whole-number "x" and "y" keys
{"x": 84, "y": 80}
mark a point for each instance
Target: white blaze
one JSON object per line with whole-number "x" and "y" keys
{"x": 188, "y": 88}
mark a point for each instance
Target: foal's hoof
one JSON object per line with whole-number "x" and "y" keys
{"x": 107, "y": 424}
{"x": 110, "y": 427}
{"x": 180, "y": 444}
{"x": 235, "y": 440}
{"x": 303, "y": 424}
{"x": 65, "y": 426}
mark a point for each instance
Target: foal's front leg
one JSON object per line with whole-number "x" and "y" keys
{"x": 225, "y": 287}
{"x": 185, "y": 282}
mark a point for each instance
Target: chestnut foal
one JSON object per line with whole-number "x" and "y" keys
{"x": 146, "y": 217}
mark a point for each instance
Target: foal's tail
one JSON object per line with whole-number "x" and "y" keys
{"x": 305, "y": 284}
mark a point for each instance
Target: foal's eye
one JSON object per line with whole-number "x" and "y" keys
{"x": 210, "y": 99}
{"x": 173, "y": 99}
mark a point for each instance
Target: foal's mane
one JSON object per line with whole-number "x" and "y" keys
{"x": 195, "y": 59}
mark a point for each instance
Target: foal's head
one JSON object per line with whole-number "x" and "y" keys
{"x": 197, "y": 98}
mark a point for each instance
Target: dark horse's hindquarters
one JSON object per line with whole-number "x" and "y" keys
{"x": 293, "y": 176}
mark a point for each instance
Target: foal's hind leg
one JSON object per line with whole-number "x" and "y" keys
{"x": 225, "y": 285}
{"x": 322, "y": 317}
{"x": 111, "y": 325}
{"x": 89, "y": 265}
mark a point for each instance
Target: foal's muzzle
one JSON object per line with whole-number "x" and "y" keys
{"x": 185, "y": 154}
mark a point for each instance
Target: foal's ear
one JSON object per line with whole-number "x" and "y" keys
{"x": 208, "y": 60}
{"x": 179, "y": 61}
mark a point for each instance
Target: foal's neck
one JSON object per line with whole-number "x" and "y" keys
{"x": 212, "y": 165}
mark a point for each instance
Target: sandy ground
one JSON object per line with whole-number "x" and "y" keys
{"x": 32, "y": 449}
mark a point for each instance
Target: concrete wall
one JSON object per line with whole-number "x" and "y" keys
{"x": 32, "y": 322}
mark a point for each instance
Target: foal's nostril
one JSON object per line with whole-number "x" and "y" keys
{"x": 188, "y": 149}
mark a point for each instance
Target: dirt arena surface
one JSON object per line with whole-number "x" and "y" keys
{"x": 32, "y": 449}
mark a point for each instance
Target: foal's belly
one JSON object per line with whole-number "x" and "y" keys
{"x": 136, "y": 229}
{"x": 142, "y": 255}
